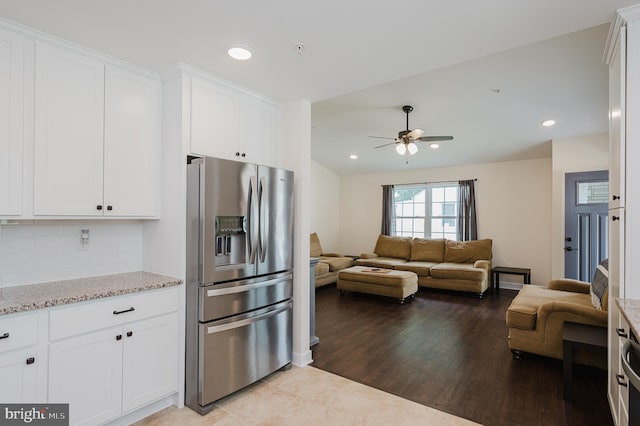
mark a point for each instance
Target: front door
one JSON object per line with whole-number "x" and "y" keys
{"x": 586, "y": 226}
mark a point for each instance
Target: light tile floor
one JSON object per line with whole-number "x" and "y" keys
{"x": 308, "y": 396}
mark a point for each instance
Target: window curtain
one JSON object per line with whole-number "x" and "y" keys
{"x": 467, "y": 223}
{"x": 387, "y": 210}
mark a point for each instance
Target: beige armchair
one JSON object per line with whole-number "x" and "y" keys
{"x": 537, "y": 315}
{"x": 329, "y": 264}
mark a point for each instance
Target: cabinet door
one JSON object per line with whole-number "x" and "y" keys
{"x": 259, "y": 130}
{"x": 150, "y": 360}
{"x": 214, "y": 120}
{"x": 11, "y": 141}
{"x": 19, "y": 376}
{"x": 86, "y": 372}
{"x": 617, "y": 141}
{"x": 69, "y": 117}
{"x": 131, "y": 144}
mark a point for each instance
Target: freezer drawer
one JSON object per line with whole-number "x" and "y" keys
{"x": 238, "y": 351}
{"x": 224, "y": 300}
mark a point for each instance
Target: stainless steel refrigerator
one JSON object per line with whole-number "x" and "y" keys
{"x": 239, "y": 276}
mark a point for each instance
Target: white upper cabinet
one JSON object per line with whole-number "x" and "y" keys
{"x": 69, "y": 129}
{"x": 226, "y": 122}
{"x": 11, "y": 122}
{"x": 96, "y": 137}
{"x": 131, "y": 137}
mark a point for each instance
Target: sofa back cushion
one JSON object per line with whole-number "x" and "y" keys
{"x": 599, "y": 288}
{"x": 426, "y": 250}
{"x": 399, "y": 247}
{"x": 315, "y": 249}
{"x": 467, "y": 251}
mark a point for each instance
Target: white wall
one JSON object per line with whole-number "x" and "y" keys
{"x": 581, "y": 154}
{"x": 49, "y": 251}
{"x": 513, "y": 205}
{"x": 325, "y": 206}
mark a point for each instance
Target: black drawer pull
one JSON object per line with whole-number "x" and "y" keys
{"x": 621, "y": 332}
{"x": 614, "y": 218}
{"x": 621, "y": 381}
{"x": 4, "y": 336}
{"x": 119, "y": 337}
{"x": 129, "y": 333}
{"x": 616, "y": 197}
{"x": 109, "y": 208}
{"x": 131, "y": 309}
{"x": 98, "y": 207}
{"x": 31, "y": 360}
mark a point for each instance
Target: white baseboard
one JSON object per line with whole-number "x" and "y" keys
{"x": 146, "y": 411}
{"x": 301, "y": 359}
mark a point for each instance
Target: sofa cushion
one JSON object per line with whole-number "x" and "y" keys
{"x": 599, "y": 285}
{"x": 523, "y": 311}
{"x": 315, "y": 249}
{"x": 337, "y": 263}
{"x": 458, "y": 271}
{"x": 399, "y": 247}
{"x": 419, "y": 268}
{"x": 467, "y": 251}
{"x": 427, "y": 250}
{"x": 380, "y": 262}
{"x": 321, "y": 268}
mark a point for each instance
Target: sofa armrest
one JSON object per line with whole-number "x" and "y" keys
{"x": 590, "y": 314}
{"x": 368, "y": 256}
{"x": 483, "y": 264}
{"x": 332, "y": 255}
{"x": 567, "y": 284}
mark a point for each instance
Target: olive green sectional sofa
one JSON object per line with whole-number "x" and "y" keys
{"x": 438, "y": 263}
{"x": 329, "y": 264}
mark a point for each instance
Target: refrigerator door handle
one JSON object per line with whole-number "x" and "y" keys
{"x": 264, "y": 214}
{"x": 247, "y": 321}
{"x": 246, "y": 287}
{"x": 252, "y": 219}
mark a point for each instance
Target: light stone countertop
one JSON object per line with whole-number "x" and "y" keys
{"x": 630, "y": 309}
{"x": 37, "y": 296}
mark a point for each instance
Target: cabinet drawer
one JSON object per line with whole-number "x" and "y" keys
{"x": 18, "y": 331}
{"x": 90, "y": 316}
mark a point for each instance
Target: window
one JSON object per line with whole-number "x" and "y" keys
{"x": 426, "y": 210}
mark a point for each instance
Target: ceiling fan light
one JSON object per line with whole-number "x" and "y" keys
{"x": 401, "y": 148}
{"x": 412, "y": 147}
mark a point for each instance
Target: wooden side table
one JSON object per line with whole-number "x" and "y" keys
{"x": 580, "y": 336}
{"x": 496, "y": 271}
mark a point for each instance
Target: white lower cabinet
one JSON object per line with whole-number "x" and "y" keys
{"x": 112, "y": 357}
{"x": 19, "y": 373}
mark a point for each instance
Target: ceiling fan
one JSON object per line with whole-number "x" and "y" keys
{"x": 406, "y": 140}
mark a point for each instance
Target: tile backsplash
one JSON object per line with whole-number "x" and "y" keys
{"x": 51, "y": 251}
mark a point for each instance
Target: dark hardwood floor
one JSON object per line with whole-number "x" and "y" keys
{"x": 449, "y": 351}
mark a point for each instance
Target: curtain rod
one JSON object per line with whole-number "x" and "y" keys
{"x": 435, "y": 181}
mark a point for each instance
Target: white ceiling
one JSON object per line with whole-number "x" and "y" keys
{"x": 349, "y": 46}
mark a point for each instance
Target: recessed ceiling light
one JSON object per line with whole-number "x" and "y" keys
{"x": 548, "y": 123}
{"x": 434, "y": 146}
{"x": 353, "y": 157}
{"x": 239, "y": 53}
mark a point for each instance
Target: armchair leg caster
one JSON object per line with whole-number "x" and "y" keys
{"x": 516, "y": 354}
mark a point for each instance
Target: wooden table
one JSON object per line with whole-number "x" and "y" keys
{"x": 580, "y": 336}
{"x": 496, "y": 271}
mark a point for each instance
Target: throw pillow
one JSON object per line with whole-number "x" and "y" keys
{"x": 600, "y": 285}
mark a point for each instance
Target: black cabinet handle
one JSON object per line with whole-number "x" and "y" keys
{"x": 109, "y": 208}
{"x": 621, "y": 381}
{"x": 614, "y": 218}
{"x": 99, "y": 207}
{"x": 4, "y": 336}
{"x": 615, "y": 197}
{"x": 237, "y": 154}
{"x": 621, "y": 332}
{"x": 243, "y": 154}
{"x": 31, "y": 360}
{"x": 131, "y": 309}
{"x": 129, "y": 333}
{"x": 119, "y": 337}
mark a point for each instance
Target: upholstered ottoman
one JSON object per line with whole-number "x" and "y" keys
{"x": 378, "y": 281}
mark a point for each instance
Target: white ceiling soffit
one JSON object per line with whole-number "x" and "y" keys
{"x": 349, "y": 45}
{"x": 492, "y": 106}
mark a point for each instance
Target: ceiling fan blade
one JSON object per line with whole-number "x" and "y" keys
{"x": 386, "y": 144}
{"x": 415, "y": 134}
{"x": 380, "y": 137}
{"x": 435, "y": 138}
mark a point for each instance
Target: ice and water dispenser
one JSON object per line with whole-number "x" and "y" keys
{"x": 230, "y": 240}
